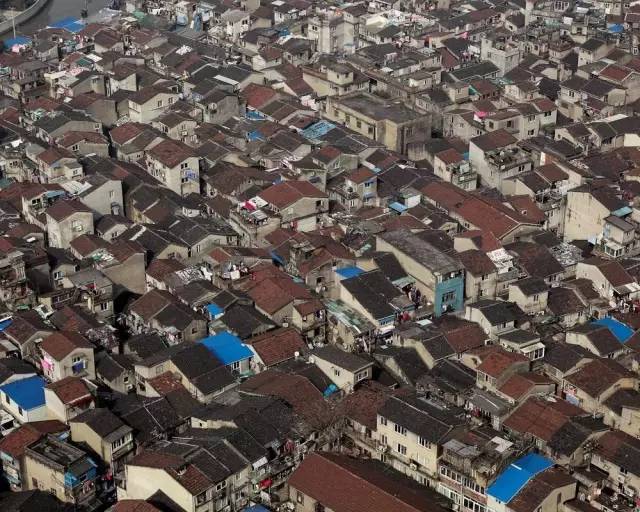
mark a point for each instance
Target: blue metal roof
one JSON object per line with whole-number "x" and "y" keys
{"x": 27, "y": 393}
{"x": 621, "y": 331}
{"x": 227, "y": 347}
{"x": 515, "y": 477}
{"x": 349, "y": 272}
{"x": 399, "y": 207}
{"x": 73, "y": 25}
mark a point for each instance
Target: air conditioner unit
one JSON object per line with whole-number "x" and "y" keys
{"x": 413, "y": 466}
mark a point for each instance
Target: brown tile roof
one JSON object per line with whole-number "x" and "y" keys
{"x": 160, "y": 268}
{"x": 494, "y": 140}
{"x": 151, "y": 303}
{"x": 276, "y": 346}
{"x": 613, "y": 271}
{"x": 517, "y": 385}
{"x": 497, "y": 362}
{"x": 273, "y": 289}
{"x": 71, "y": 390}
{"x": 363, "y": 404}
{"x": 539, "y": 488}
{"x": 476, "y": 262}
{"x": 257, "y": 96}
{"x": 126, "y": 132}
{"x": 15, "y": 442}
{"x": 63, "y": 209}
{"x": 171, "y": 152}
{"x": 297, "y": 390}
{"x": 542, "y": 418}
{"x": 87, "y": 244}
{"x": 361, "y": 174}
{"x": 134, "y": 506}
{"x": 450, "y": 156}
{"x": 71, "y": 138}
{"x": 60, "y": 344}
{"x": 287, "y": 193}
{"x": 597, "y": 376}
{"x": 552, "y": 173}
{"x": 527, "y": 207}
{"x": 165, "y": 383}
{"x": 344, "y": 484}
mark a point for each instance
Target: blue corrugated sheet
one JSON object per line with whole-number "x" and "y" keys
{"x": 516, "y": 476}
{"x": 349, "y": 272}
{"x": 227, "y": 347}
{"x": 621, "y": 212}
{"x": 317, "y": 130}
{"x": 27, "y": 393}
{"x": 398, "y": 207}
{"x": 621, "y": 331}
{"x": 71, "y": 24}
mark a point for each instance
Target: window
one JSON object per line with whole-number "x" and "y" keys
{"x": 184, "y": 165}
{"x": 57, "y": 275}
{"x": 20, "y": 411}
{"x": 448, "y": 296}
{"x": 361, "y": 375}
{"x": 159, "y": 103}
{"x": 235, "y": 365}
{"x": 547, "y": 114}
{"x": 336, "y": 372}
{"x": 401, "y": 449}
{"x": 400, "y": 429}
{"x": 300, "y": 498}
{"x": 104, "y": 306}
{"x": 383, "y": 421}
{"x": 384, "y": 440}
{"x": 424, "y": 442}
{"x": 112, "y": 194}
{"x": 75, "y": 147}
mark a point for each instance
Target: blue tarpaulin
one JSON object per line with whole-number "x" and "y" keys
{"x": 227, "y": 347}
{"x": 27, "y": 393}
{"x": 349, "y": 272}
{"x": 621, "y": 331}
{"x": 214, "y": 310}
{"x": 516, "y": 476}
{"x": 254, "y": 114}
{"x": 331, "y": 389}
{"x": 71, "y": 24}
{"x": 4, "y": 324}
{"x": 616, "y": 28}
{"x": 20, "y": 40}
